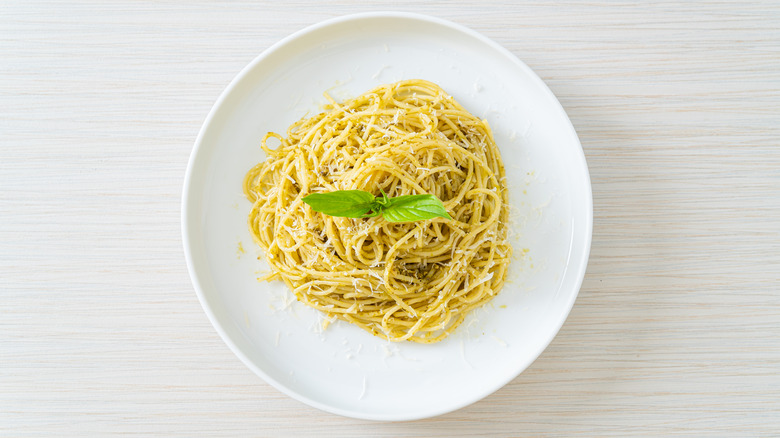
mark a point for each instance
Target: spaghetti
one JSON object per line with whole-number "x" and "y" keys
{"x": 400, "y": 281}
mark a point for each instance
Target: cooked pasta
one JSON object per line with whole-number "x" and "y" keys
{"x": 411, "y": 281}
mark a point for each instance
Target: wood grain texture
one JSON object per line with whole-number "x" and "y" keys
{"x": 676, "y": 329}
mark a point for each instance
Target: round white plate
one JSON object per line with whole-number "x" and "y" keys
{"x": 343, "y": 369}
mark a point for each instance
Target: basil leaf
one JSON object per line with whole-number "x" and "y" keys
{"x": 359, "y": 204}
{"x": 410, "y": 208}
{"x": 343, "y": 203}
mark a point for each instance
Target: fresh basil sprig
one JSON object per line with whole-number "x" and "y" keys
{"x": 359, "y": 204}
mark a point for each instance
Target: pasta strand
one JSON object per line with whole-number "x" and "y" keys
{"x": 399, "y": 281}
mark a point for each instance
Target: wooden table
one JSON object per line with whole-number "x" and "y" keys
{"x": 677, "y": 326}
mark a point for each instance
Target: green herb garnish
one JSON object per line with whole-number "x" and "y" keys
{"x": 359, "y": 204}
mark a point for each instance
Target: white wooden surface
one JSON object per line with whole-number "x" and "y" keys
{"x": 677, "y": 327}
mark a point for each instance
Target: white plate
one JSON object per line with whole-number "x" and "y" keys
{"x": 344, "y": 370}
